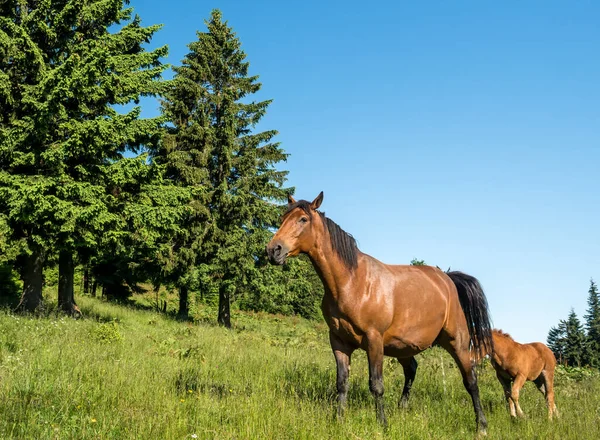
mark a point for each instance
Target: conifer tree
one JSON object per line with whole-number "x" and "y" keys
{"x": 61, "y": 74}
{"x": 556, "y": 340}
{"x": 213, "y": 144}
{"x": 592, "y": 325}
{"x": 574, "y": 340}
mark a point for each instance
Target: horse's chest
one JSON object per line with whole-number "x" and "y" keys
{"x": 341, "y": 323}
{"x": 345, "y": 330}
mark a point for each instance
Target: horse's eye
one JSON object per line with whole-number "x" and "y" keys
{"x": 303, "y": 220}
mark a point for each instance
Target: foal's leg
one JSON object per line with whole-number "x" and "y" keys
{"x": 548, "y": 376}
{"x": 410, "y": 370}
{"x": 514, "y": 392}
{"x": 467, "y": 370}
{"x": 375, "y": 357}
{"x": 540, "y": 383}
{"x": 342, "y": 354}
{"x": 506, "y": 386}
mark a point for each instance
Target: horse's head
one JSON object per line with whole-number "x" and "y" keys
{"x": 296, "y": 234}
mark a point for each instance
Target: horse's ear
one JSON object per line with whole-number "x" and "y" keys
{"x": 291, "y": 200}
{"x": 317, "y": 202}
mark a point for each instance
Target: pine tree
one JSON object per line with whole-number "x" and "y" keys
{"x": 574, "y": 340}
{"x": 592, "y": 324}
{"x": 213, "y": 118}
{"x": 61, "y": 74}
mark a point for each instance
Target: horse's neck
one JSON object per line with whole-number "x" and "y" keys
{"x": 334, "y": 274}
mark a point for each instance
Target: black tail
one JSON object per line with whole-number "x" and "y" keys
{"x": 475, "y": 306}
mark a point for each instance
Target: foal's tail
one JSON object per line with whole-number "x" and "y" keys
{"x": 475, "y": 306}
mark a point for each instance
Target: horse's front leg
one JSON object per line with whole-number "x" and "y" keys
{"x": 375, "y": 357}
{"x": 343, "y": 354}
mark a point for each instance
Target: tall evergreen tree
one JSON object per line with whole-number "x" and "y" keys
{"x": 574, "y": 340}
{"x": 592, "y": 325}
{"x": 213, "y": 117}
{"x": 557, "y": 340}
{"x": 62, "y": 72}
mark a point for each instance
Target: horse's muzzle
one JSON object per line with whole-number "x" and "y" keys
{"x": 277, "y": 252}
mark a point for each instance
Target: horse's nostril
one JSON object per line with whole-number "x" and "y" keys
{"x": 278, "y": 249}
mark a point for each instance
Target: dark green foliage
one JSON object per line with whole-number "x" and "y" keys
{"x": 570, "y": 343}
{"x": 212, "y": 146}
{"x": 557, "y": 341}
{"x": 592, "y": 325}
{"x": 415, "y": 262}
{"x": 61, "y": 138}
{"x": 293, "y": 289}
{"x": 574, "y": 341}
{"x": 9, "y": 285}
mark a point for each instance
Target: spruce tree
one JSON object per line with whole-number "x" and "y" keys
{"x": 556, "y": 340}
{"x": 592, "y": 325}
{"x": 61, "y": 74}
{"x": 213, "y": 117}
{"x": 574, "y": 340}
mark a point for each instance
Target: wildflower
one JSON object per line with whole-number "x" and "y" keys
{"x": 93, "y": 420}
{"x": 194, "y": 435}
{"x": 190, "y": 391}
{"x": 182, "y": 400}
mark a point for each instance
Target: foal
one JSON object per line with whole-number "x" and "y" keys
{"x": 518, "y": 363}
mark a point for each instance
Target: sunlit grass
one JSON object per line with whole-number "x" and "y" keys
{"x": 126, "y": 373}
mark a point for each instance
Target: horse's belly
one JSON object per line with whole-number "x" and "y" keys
{"x": 404, "y": 347}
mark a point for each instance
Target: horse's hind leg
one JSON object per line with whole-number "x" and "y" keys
{"x": 548, "y": 379}
{"x": 514, "y": 392}
{"x": 466, "y": 365}
{"x": 410, "y": 370}
{"x": 541, "y": 384}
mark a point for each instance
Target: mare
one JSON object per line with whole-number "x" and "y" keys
{"x": 392, "y": 310}
{"x": 517, "y": 363}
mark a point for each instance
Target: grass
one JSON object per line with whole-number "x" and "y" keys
{"x": 125, "y": 373}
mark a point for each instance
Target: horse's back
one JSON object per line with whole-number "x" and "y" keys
{"x": 545, "y": 354}
{"x": 422, "y": 296}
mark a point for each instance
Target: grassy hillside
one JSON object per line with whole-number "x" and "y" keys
{"x": 129, "y": 373}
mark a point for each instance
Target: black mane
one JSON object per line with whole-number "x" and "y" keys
{"x": 342, "y": 243}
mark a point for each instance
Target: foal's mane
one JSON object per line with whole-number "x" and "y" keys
{"x": 501, "y": 333}
{"x": 342, "y": 243}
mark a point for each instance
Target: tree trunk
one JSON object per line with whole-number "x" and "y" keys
{"x": 94, "y": 287}
{"x": 66, "y": 294}
{"x": 33, "y": 279}
{"x": 224, "y": 313}
{"x": 183, "y": 303}
{"x": 86, "y": 279}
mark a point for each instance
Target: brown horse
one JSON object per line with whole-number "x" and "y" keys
{"x": 518, "y": 363}
{"x": 387, "y": 310}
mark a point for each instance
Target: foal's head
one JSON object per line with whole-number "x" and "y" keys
{"x": 296, "y": 234}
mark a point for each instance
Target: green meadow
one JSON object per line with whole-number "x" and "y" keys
{"x": 127, "y": 372}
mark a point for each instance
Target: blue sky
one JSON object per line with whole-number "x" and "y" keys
{"x": 463, "y": 133}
